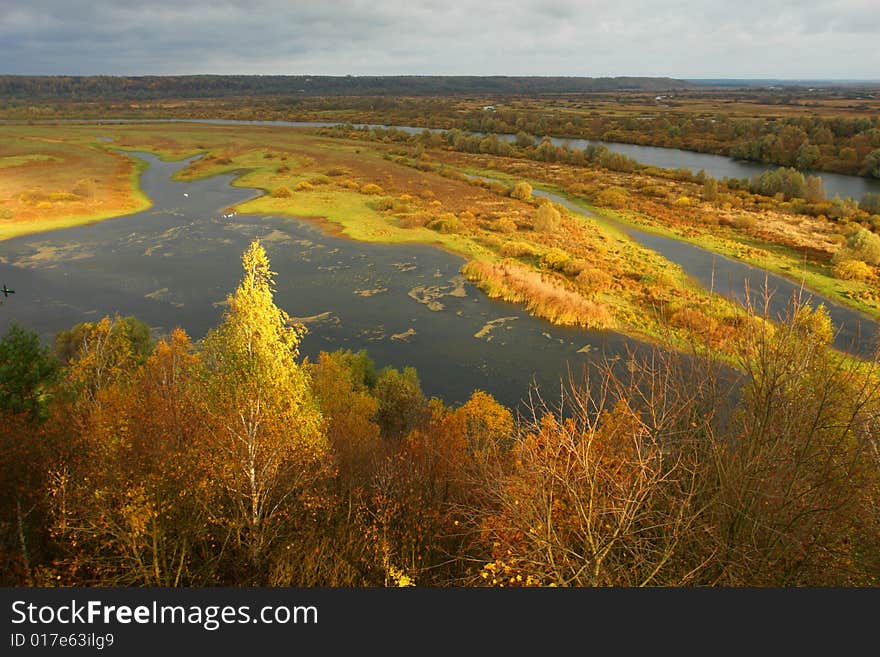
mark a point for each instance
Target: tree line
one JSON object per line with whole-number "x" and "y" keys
{"x": 562, "y": 107}
{"x": 103, "y": 87}
{"x": 784, "y": 184}
{"x": 232, "y": 461}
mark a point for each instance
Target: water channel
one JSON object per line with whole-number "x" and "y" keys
{"x": 173, "y": 265}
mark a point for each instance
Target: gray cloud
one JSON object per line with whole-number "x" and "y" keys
{"x": 679, "y": 38}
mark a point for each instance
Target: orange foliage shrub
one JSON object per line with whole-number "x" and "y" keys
{"x": 542, "y": 294}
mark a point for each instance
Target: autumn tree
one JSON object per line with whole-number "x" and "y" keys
{"x": 710, "y": 189}
{"x": 602, "y": 495}
{"x": 266, "y": 444}
{"x": 415, "y": 513}
{"x": 342, "y": 383}
{"x": 792, "y": 491}
{"x": 68, "y": 343}
{"x": 815, "y": 189}
{"x": 806, "y": 156}
{"x": 101, "y": 355}
{"x": 130, "y": 506}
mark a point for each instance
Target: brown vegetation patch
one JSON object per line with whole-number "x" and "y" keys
{"x": 544, "y": 295}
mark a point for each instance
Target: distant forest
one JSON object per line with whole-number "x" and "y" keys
{"x": 214, "y": 86}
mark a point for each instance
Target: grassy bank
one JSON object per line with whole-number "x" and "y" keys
{"x": 797, "y": 247}
{"x": 565, "y": 267}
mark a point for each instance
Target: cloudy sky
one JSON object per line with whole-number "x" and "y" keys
{"x": 802, "y": 39}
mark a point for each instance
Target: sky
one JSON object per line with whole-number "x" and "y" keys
{"x": 785, "y": 39}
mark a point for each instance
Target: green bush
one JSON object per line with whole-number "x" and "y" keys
{"x": 861, "y": 245}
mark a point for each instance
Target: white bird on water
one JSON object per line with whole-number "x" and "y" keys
{"x": 185, "y": 194}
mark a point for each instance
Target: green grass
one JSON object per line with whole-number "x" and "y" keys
{"x": 355, "y": 218}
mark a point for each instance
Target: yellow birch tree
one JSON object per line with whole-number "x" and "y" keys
{"x": 266, "y": 442}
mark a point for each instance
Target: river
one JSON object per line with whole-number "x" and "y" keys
{"x": 717, "y": 166}
{"x": 173, "y": 265}
{"x": 855, "y": 332}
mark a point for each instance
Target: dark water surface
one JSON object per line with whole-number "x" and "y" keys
{"x": 174, "y": 264}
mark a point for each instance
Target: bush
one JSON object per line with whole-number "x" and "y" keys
{"x": 657, "y": 191}
{"x": 547, "y": 218}
{"x": 320, "y": 180}
{"x": 445, "y": 223}
{"x": 304, "y": 186}
{"x": 861, "y": 245}
{"x": 870, "y": 203}
{"x": 370, "y": 188}
{"x": 281, "y": 192}
{"x": 745, "y": 221}
{"x": 555, "y": 259}
{"x": 612, "y": 197}
{"x": 522, "y": 191}
{"x": 503, "y": 225}
{"x": 694, "y": 320}
{"x": 518, "y": 250}
{"x": 852, "y": 270}
{"x": 710, "y": 190}
{"x": 31, "y": 196}
{"x": 491, "y": 241}
{"x": 593, "y": 279}
{"x": 575, "y": 267}
{"x": 414, "y": 221}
